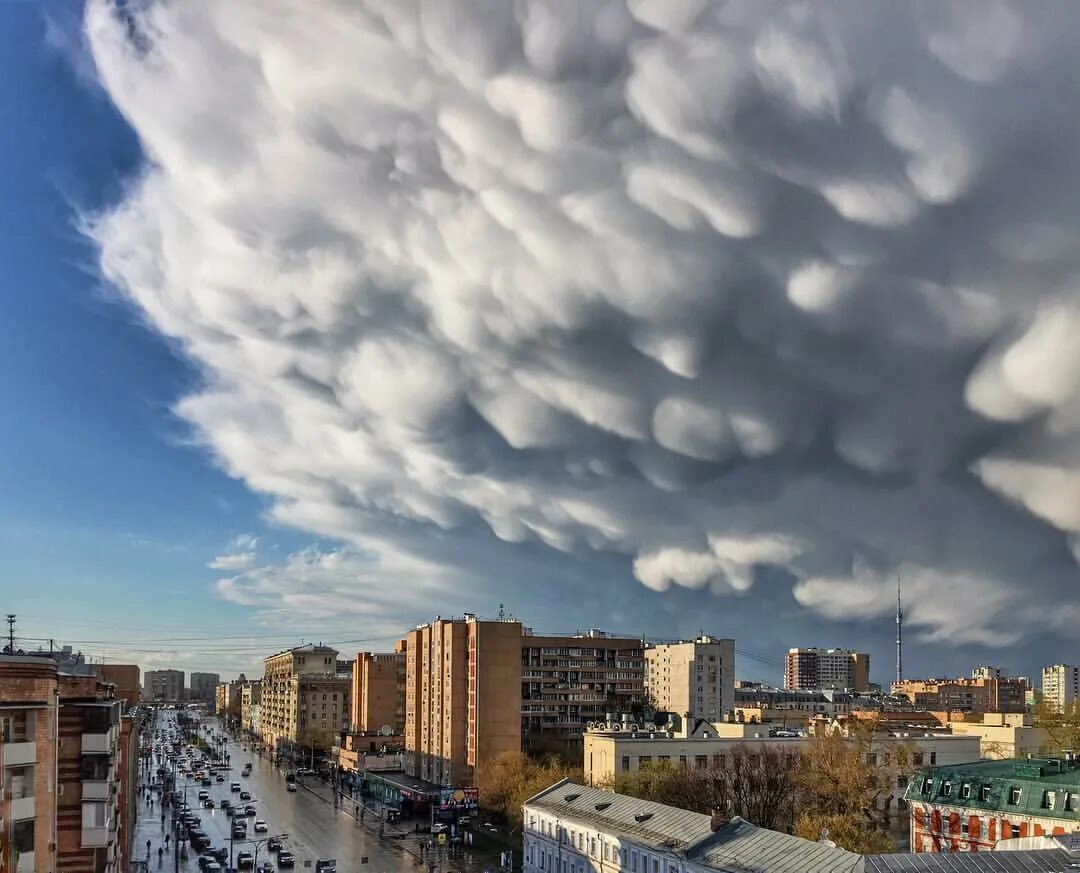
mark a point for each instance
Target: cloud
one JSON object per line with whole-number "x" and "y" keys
{"x": 239, "y": 554}
{"x": 720, "y": 290}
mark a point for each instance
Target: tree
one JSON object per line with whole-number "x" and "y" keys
{"x": 839, "y": 783}
{"x": 506, "y": 782}
{"x": 1062, "y": 726}
{"x": 755, "y": 784}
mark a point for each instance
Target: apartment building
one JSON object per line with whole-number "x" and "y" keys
{"x": 304, "y": 701}
{"x": 971, "y": 807}
{"x": 202, "y": 687}
{"x": 229, "y": 699}
{"x": 378, "y": 692}
{"x": 463, "y": 680}
{"x": 975, "y": 695}
{"x": 163, "y": 686}
{"x": 572, "y": 828}
{"x": 251, "y": 705}
{"x": 1006, "y": 735}
{"x": 695, "y": 678}
{"x": 126, "y": 679}
{"x": 1060, "y": 685}
{"x": 569, "y": 682}
{"x": 813, "y": 668}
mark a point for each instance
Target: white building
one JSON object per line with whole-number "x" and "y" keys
{"x": 1060, "y": 685}
{"x": 694, "y": 679}
{"x": 569, "y": 828}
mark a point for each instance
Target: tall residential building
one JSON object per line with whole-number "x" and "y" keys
{"x": 68, "y": 757}
{"x": 126, "y": 679}
{"x": 305, "y": 702}
{"x": 694, "y": 679}
{"x": 163, "y": 685}
{"x": 1060, "y": 685}
{"x": 475, "y": 688}
{"x": 202, "y": 686}
{"x": 229, "y": 699}
{"x": 251, "y": 706}
{"x": 813, "y": 668}
{"x": 463, "y": 696}
{"x": 378, "y": 691}
{"x": 975, "y": 695}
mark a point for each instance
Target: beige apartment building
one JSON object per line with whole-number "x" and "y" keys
{"x": 251, "y": 705}
{"x": 1006, "y": 735}
{"x": 378, "y": 692}
{"x": 977, "y": 694}
{"x": 463, "y": 696}
{"x": 304, "y": 701}
{"x": 1060, "y": 685}
{"x": 809, "y": 669}
{"x": 694, "y": 679}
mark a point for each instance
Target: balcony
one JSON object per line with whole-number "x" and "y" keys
{"x": 22, "y": 808}
{"x": 96, "y": 789}
{"x": 19, "y": 754}
{"x": 95, "y": 838}
{"x": 103, "y": 743}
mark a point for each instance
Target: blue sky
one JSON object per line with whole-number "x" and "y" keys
{"x": 459, "y": 343}
{"x": 108, "y": 516}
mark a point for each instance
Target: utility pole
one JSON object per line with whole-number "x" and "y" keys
{"x": 899, "y": 635}
{"x": 11, "y": 632}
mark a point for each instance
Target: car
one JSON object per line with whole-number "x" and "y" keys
{"x": 221, "y": 853}
{"x": 245, "y": 860}
{"x": 219, "y": 778}
{"x": 265, "y": 867}
{"x": 249, "y": 809}
{"x": 212, "y": 867}
{"x": 239, "y": 833}
{"x": 273, "y": 844}
{"x": 290, "y": 786}
{"x": 286, "y": 859}
{"x": 439, "y": 828}
{"x": 207, "y": 781}
{"x": 225, "y": 803}
{"x": 326, "y": 865}
{"x": 208, "y": 803}
{"x": 204, "y": 794}
{"x": 261, "y": 826}
{"x": 234, "y": 786}
{"x": 230, "y": 811}
{"x": 204, "y": 860}
{"x": 304, "y": 771}
{"x": 245, "y": 795}
{"x": 199, "y": 840}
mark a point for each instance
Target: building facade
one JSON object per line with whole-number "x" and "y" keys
{"x": 163, "y": 686}
{"x": 1060, "y": 686}
{"x": 462, "y": 697}
{"x": 971, "y": 807}
{"x": 304, "y": 702}
{"x": 251, "y": 706}
{"x": 203, "y": 686}
{"x": 812, "y": 669}
{"x": 695, "y": 679}
{"x": 571, "y": 828}
{"x": 126, "y": 679}
{"x": 378, "y": 692}
{"x": 1006, "y": 735}
{"x": 229, "y": 700}
{"x": 974, "y": 695}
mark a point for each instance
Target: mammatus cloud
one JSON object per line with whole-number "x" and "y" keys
{"x": 713, "y": 286}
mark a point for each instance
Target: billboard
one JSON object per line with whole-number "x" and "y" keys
{"x": 459, "y": 799}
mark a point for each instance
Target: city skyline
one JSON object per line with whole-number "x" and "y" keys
{"x": 501, "y": 323}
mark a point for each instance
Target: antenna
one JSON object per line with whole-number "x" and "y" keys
{"x": 899, "y": 635}
{"x": 11, "y": 632}
{"x": 502, "y": 613}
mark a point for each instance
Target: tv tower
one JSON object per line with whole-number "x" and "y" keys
{"x": 899, "y": 635}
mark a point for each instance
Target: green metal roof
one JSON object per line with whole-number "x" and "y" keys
{"x": 992, "y": 786}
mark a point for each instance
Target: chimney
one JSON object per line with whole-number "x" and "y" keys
{"x": 717, "y": 820}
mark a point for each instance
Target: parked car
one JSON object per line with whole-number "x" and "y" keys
{"x": 439, "y": 828}
{"x": 212, "y": 867}
{"x": 273, "y": 845}
{"x": 245, "y": 795}
{"x": 234, "y": 786}
{"x": 286, "y": 859}
{"x": 326, "y": 865}
{"x": 260, "y": 826}
{"x": 208, "y": 803}
{"x": 245, "y": 860}
{"x": 290, "y": 786}
{"x": 221, "y": 853}
{"x": 265, "y": 867}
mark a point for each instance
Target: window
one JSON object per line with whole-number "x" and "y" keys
{"x": 1015, "y": 794}
{"x": 933, "y": 758}
{"x": 644, "y": 760}
{"x": 946, "y": 788}
{"x": 901, "y": 781}
{"x": 1016, "y": 832}
{"x": 701, "y": 762}
{"x": 1049, "y": 798}
{"x": 663, "y": 759}
{"x": 965, "y": 790}
{"x": 984, "y": 793}
{"x": 927, "y": 785}
{"x": 655, "y": 865}
{"x": 964, "y": 825}
{"x": 917, "y": 759}
{"x": 1070, "y": 801}
{"x": 871, "y": 759}
{"x": 633, "y": 861}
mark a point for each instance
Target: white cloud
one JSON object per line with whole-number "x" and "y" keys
{"x": 709, "y": 288}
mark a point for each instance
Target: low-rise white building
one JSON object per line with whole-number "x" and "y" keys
{"x": 570, "y": 828}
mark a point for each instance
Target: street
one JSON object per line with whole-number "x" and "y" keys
{"x": 314, "y": 827}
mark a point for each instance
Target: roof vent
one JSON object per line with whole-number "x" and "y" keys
{"x": 642, "y": 816}
{"x": 570, "y": 798}
{"x": 600, "y": 807}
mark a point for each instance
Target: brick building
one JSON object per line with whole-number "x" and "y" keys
{"x": 813, "y": 668}
{"x": 971, "y": 807}
{"x": 305, "y": 702}
{"x": 378, "y": 691}
{"x": 126, "y": 679}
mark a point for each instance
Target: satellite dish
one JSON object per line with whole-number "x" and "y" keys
{"x": 386, "y": 731}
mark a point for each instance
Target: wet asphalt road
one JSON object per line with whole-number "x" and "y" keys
{"x": 314, "y": 827}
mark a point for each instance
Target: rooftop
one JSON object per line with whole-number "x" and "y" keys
{"x": 1047, "y": 786}
{"x": 736, "y": 846}
{"x": 1041, "y": 861}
